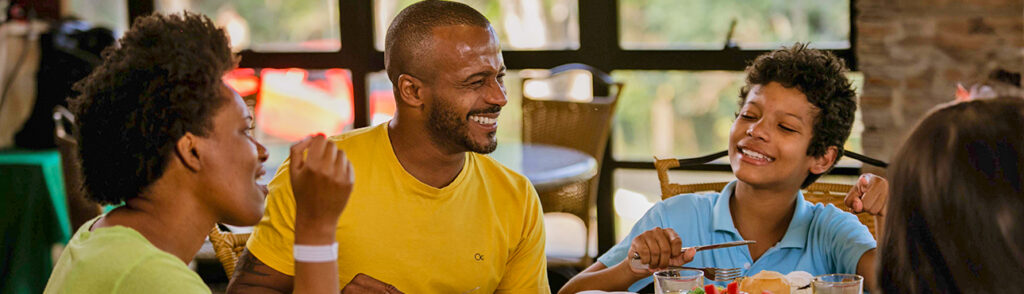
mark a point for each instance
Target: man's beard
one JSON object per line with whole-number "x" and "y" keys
{"x": 449, "y": 130}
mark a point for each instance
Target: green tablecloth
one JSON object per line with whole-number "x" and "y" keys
{"x": 33, "y": 218}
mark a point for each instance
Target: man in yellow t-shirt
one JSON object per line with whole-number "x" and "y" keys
{"x": 428, "y": 212}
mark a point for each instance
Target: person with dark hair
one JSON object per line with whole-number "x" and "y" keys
{"x": 796, "y": 111}
{"x": 954, "y": 222}
{"x": 430, "y": 213}
{"x": 162, "y": 134}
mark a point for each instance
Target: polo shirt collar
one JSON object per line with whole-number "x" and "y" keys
{"x": 721, "y": 216}
{"x": 796, "y": 234}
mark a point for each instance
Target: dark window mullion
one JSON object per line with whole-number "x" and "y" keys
{"x": 137, "y": 8}
{"x": 305, "y": 60}
{"x": 356, "y": 20}
{"x": 692, "y": 60}
{"x": 599, "y": 33}
{"x": 539, "y": 59}
{"x": 599, "y": 47}
{"x": 697, "y": 59}
{"x": 851, "y": 58}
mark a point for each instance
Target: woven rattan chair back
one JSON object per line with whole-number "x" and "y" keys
{"x": 228, "y": 246}
{"x": 825, "y": 193}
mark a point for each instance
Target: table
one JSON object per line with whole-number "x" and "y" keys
{"x": 33, "y": 218}
{"x": 548, "y": 167}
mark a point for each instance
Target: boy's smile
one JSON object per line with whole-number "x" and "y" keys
{"x": 769, "y": 139}
{"x": 754, "y": 156}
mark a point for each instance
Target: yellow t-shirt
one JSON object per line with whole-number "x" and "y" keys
{"x": 119, "y": 260}
{"x": 483, "y": 233}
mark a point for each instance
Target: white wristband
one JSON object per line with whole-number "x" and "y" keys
{"x": 315, "y": 253}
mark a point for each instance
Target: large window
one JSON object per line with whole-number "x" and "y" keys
{"x": 521, "y": 25}
{"x": 291, "y": 103}
{"x": 674, "y": 113}
{"x": 684, "y": 113}
{"x": 111, "y": 14}
{"x": 271, "y": 26}
{"x": 759, "y": 24}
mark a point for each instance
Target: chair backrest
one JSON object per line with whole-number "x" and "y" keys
{"x": 65, "y": 134}
{"x": 817, "y": 192}
{"x": 824, "y": 193}
{"x": 560, "y": 121}
{"x": 228, "y": 246}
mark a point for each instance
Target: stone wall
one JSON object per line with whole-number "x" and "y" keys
{"x": 914, "y": 52}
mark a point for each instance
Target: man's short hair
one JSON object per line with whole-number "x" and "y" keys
{"x": 162, "y": 81}
{"x": 411, "y": 31}
{"x": 819, "y": 75}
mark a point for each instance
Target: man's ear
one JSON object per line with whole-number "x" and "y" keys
{"x": 187, "y": 151}
{"x": 410, "y": 90}
{"x": 822, "y": 163}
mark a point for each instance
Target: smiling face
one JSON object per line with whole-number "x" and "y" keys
{"x": 233, "y": 161}
{"x": 768, "y": 141}
{"x": 465, "y": 96}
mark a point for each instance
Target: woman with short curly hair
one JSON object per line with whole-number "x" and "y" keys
{"x": 163, "y": 135}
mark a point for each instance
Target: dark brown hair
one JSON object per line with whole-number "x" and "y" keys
{"x": 162, "y": 81}
{"x": 954, "y": 221}
{"x": 819, "y": 75}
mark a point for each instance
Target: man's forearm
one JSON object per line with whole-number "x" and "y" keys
{"x": 866, "y": 269}
{"x": 253, "y": 276}
{"x": 255, "y": 289}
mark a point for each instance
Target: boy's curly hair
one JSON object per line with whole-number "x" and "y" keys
{"x": 162, "y": 81}
{"x": 819, "y": 75}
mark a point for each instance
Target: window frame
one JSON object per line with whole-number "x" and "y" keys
{"x": 598, "y": 46}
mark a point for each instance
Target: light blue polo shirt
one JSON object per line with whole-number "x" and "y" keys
{"x": 820, "y": 240}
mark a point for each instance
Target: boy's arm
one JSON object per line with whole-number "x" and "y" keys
{"x": 866, "y": 269}
{"x": 870, "y": 194}
{"x": 657, "y": 248}
{"x": 600, "y": 277}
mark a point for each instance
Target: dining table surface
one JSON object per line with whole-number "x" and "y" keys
{"x": 548, "y": 167}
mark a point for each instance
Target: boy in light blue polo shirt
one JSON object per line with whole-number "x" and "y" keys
{"x": 820, "y": 239}
{"x": 796, "y": 111}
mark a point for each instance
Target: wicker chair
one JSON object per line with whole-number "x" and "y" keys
{"x": 228, "y": 246}
{"x": 826, "y": 193}
{"x": 582, "y": 125}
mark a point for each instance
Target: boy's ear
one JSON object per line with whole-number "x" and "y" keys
{"x": 822, "y": 163}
